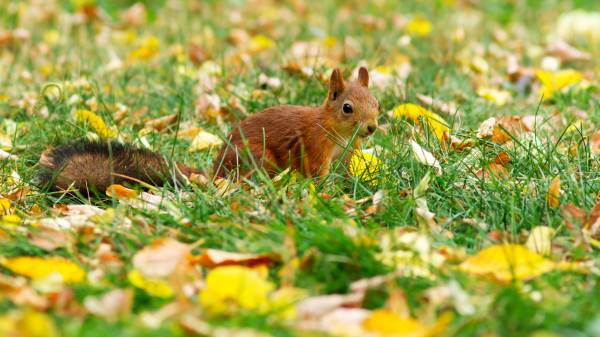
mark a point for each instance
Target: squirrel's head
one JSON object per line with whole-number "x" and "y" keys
{"x": 352, "y": 104}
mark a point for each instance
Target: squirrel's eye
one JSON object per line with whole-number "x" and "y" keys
{"x": 347, "y": 108}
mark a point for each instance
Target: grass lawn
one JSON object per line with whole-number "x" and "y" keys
{"x": 477, "y": 216}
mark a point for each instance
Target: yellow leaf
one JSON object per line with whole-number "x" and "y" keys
{"x": 552, "y": 197}
{"x": 386, "y": 322}
{"x": 204, "y": 140}
{"x": 36, "y": 324}
{"x": 230, "y": 288}
{"x": 95, "y": 122}
{"x": 260, "y": 43}
{"x": 496, "y": 96}
{"x": 5, "y": 206}
{"x": 10, "y": 220}
{"x": 153, "y": 286}
{"x": 364, "y": 166}
{"x": 39, "y": 268}
{"x": 553, "y": 82}
{"x": 419, "y": 26}
{"x": 417, "y": 113}
{"x": 149, "y": 48}
{"x": 507, "y": 262}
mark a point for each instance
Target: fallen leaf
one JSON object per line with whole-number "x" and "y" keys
{"x": 540, "y": 240}
{"x": 204, "y": 140}
{"x": 496, "y": 96}
{"x": 260, "y": 43}
{"x": 39, "y": 268}
{"x": 156, "y": 287}
{"x": 112, "y": 306}
{"x": 553, "y": 82}
{"x": 161, "y": 123}
{"x": 415, "y": 113}
{"x": 148, "y": 48}
{"x": 160, "y": 258}
{"x": 498, "y": 171}
{"x": 418, "y": 26}
{"x": 96, "y": 123}
{"x": 365, "y": 166}
{"x": 212, "y": 258}
{"x": 36, "y": 324}
{"x": 507, "y": 262}
{"x": 425, "y": 157}
{"x": 553, "y": 195}
{"x": 566, "y": 52}
{"x": 500, "y": 130}
{"x": 50, "y": 238}
{"x": 232, "y": 288}
{"x": 120, "y": 192}
{"x": 595, "y": 143}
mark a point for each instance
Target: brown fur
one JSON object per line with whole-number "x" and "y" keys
{"x": 95, "y": 166}
{"x": 306, "y": 138}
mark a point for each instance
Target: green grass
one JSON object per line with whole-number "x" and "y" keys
{"x": 264, "y": 215}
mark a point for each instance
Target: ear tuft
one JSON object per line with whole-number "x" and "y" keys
{"x": 336, "y": 84}
{"x": 363, "y": 76}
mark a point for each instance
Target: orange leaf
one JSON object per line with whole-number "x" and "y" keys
{"x": 497, "y": 171}
{"x": 120, "y": 192}
{"x": 595, "y": 143}
{"x": 161, "y": 123}
{"x": 552, "y": 197}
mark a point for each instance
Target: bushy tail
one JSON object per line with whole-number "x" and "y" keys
{"x": 89, "y": 166}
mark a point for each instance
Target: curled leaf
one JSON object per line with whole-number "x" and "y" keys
{"x": 425, "y": 157}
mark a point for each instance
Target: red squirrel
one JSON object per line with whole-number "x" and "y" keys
{"x": 307, "y": 139}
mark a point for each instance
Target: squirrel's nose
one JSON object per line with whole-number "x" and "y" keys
{"x": 371, "y": 129}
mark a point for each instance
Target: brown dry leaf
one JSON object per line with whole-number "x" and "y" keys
{"x": 197, "y": 54}
{"x": 18, "y": 194}
{"x": 160, "y": 123}
{"x": 214, "y": 258}
{"x": 499, "y": 130}
{"x": 112, "y": 306}
{"x": 574, "y": 216}
{"x": 497, "y": 171}
{"x": 161, "y": 257}
{"x": 553, "y": 195}
{"x": 503, "y": 158}
{"x": 595, "y": 143}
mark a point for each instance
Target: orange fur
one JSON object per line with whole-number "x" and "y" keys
{"x": 307, "y": 139}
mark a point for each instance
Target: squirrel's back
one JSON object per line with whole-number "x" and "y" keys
{"x": 86, "y": 166}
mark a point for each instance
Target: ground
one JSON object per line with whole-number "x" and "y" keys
{"x": 472, "y": 210}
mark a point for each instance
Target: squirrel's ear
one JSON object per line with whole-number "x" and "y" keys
{"x": 336, "y": 84}
{"x": 363, "y": 76}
